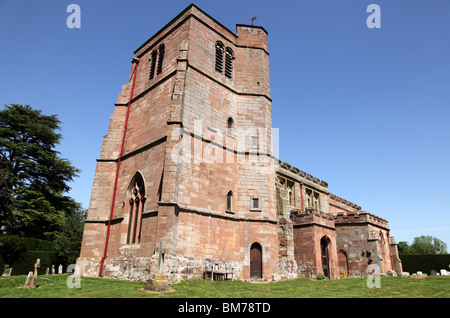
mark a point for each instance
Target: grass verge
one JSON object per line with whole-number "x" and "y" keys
{"x": 55, "y": 286}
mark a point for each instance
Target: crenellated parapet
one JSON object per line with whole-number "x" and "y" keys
{"x": 362, "y": 217}
{"x": 312, "y": 216}
{"x": 298, "y": 174}
{"x": 336, "y": 200}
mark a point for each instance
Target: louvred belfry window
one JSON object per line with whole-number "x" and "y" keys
{"x": 219, "y": 57}
{"x": 153, "y": 64}
{"x": 229, "y": 63}
{"x": 160, "y": 58}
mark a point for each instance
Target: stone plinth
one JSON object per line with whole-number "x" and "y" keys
{"x": 158, "y": 283}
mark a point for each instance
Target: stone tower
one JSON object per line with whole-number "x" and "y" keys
{"x": 197, "y": 168}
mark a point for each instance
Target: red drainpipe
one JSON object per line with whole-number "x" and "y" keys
{"x": 135, "y": 60}
{"x": 301, "y": 193}
{"x": 390, "y": 252}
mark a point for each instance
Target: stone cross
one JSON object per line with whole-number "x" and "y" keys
{"x": 33, "y": 282}
{"x": 162, "y": 250}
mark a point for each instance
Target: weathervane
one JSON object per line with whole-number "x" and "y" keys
{"x": 253, "y": 19}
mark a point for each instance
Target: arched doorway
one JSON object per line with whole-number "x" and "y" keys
{"x": 256, "y": 261}
{"x": 343, "y": 263}
{"x": 324, "y": 242}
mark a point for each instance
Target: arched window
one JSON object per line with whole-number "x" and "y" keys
{"x": 229, "y": 63}
{"x": 230, "y": 201}
{"x": 230, "y": 126}
{"x": 136, "y": 194}
{"x": 160, "y": 58}
{"x": 153, "y": 64}
{"x": 219, "y": 57}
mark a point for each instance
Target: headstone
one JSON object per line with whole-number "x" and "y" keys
{"x": 443, "y": 272}
{"x": 28, "y": 280}
{"x": 433, "y": 272}
{"x": 391, "y": 273}
{"x": 7, "y": 271}
{"x": 53, "y": 269}
{"x": 31, "y": 281}
{"x": 158, "y": 282}
{"x": 47, "y": 270}
{"x": 60, "y": 269}
{"x": 419, "y": 273}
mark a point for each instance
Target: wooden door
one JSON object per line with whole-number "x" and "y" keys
{"x": 256, "y": 261}
{"x": 325, "y": 259}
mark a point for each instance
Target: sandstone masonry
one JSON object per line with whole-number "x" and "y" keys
{"x": 198, "y": 172}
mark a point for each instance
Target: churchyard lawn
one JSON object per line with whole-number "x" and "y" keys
{"x": 55, "y": 286}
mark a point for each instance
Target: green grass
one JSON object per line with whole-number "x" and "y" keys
{"x": 54, "y": 286}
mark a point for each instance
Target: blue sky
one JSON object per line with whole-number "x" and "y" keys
{"x": 366, "y": 110}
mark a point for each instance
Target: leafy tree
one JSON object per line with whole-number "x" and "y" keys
{"x": 36, "y": 176}
{"x": 403, "y": 247}
{"x": 427, "y": 244}
{"x": 69, "y": 239}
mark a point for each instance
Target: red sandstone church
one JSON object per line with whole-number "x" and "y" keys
{"x": 188, "y": 161}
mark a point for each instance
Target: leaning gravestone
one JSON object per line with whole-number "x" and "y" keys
{"x": 7, "y": 271}
{"x": 28, "y": 280}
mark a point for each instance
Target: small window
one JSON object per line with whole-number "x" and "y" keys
{"x": 255, "y": 203}
{"x": 160, "y": 58}
{"x": 230, "y": 126}
{"x": 228, "y": 63}
{"x": 219, "y": 57}
{"x": 254, "y": 141}
{"x": 230, "y": 201}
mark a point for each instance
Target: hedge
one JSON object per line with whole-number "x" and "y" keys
{"x": 26, "y": 262}
{"x": 425, "y": 263}
{"x": 36, "y": 248}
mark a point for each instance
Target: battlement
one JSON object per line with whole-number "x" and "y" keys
{"x": 342, "y": 203}
{"x": 311, "y": 215}
{"x": 302, "y": 174}
{"x": 360, "y": 217}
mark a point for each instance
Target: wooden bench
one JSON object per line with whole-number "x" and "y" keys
{"x": 218, "y": 271}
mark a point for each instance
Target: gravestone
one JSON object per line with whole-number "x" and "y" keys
{"x": 7, "y": 271}
{"x": 31, "y": 281}
{"x": 433, "y": 272}
{"x": 60, "y": 269}
{"x": 158, "y": 282}
{"x": 53, "y": 269}
{"x": 47, "y": 271}
{"x": 28, "y": 280}
{"x": 443, "y": 272}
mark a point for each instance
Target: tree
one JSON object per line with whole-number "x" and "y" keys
{"x": 403, "y": 247}
{"x": 68, "y": 242}
{"x": 427, "y": 244}
{"x": 37, "y": 176}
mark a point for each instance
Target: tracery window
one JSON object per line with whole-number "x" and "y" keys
{"x": 136, "y": 194}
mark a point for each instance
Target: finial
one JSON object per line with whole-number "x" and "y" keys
{"x": 253, "y": 19}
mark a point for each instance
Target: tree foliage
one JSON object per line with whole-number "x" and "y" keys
{"x": 424, "y": 244}
{"x": 68, "y": 242}
{"x": 34, "y": 176}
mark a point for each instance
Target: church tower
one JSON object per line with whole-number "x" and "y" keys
{"x": 188, "y": 158}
